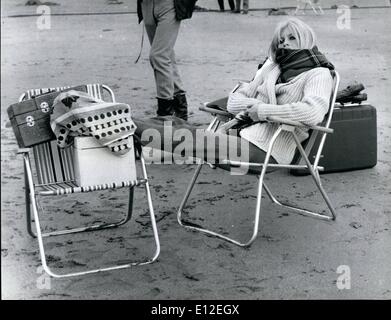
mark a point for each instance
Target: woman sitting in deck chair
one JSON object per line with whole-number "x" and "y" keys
{"x": 294, "y": 83}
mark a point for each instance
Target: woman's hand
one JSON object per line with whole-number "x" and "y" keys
{"x": 237, "y": 102}
{"x": 243, "y": 116}
{"x": 243, "y": 88}
{"x": 252, "y": 112}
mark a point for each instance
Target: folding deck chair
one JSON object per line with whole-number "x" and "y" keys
{"x": 284, "y": 125}
{"x": 53, "y": 175}
{"x": 312, "y": 4}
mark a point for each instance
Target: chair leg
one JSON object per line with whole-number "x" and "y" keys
{"x": 28, "y": 205}
{"x": 40, "y": 236}
{"x": 302, "y": 211}
{"x": 316, "y": 177}
{"x": 257, "y": 209}
{"x": 95, "y": 227}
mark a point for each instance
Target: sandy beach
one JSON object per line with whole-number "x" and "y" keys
{"x": 294, "y": 257}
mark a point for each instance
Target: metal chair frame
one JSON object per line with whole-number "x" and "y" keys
{"x": 314, "y": 168}
{"x": 32, "y": 195}
{"x": 310, "y": 3}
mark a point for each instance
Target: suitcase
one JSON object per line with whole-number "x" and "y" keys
{"x": 30, "y": 119}
{"x": 353, "y": 145}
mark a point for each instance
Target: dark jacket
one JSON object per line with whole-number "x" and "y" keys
{"x": 183, "y": 9}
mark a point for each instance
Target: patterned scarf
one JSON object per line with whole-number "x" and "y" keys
{"x": 76, "y": 113}
{"x": 294, "y": 62}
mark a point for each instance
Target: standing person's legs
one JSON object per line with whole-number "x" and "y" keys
{"x": 230, "y": 2}
{"x": 180, "y": 101}
{"x": 162, "y": 28}
{"x": 149, "y": 19}
{"x": 237, "y": 6}
{"x": 245, "y": 6}
{"x": 221, "y": 4}
{"x": 231, "y": 5}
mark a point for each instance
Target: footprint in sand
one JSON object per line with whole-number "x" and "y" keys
{"x": 154, "y": 292}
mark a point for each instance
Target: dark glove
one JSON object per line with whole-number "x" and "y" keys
{"x": 351, "y": 94}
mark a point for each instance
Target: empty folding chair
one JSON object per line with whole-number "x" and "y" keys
{"x": 51, "y": 173}
{"x": 284, "y": 125}
{"x": 312, "y": 4}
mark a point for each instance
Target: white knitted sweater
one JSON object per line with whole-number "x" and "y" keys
{"x": 304, "y": 98}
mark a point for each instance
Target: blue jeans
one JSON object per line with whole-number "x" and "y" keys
{"x": 162, "y": 28}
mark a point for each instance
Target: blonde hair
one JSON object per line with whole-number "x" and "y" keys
{"x": 301, "y": 31}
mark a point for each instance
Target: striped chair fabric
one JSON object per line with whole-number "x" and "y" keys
{"x": 54, "y": 166}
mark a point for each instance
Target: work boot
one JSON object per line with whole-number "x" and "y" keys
{"x": 165, "y": 107}
{"x": 180, "y": 106}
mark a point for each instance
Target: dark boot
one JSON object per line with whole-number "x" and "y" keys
{"x": 180, "y": 106}
{"x": 237, "y": 7}
{"x": 231, "y": 5}
{"x": 165, "y": 107}
{"x": 221, "y": 4}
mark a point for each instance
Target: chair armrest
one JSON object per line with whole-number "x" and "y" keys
{"x": 216, "y": 111}
{"x": 298, "y": 124}
{"x": 23, "y": 150}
